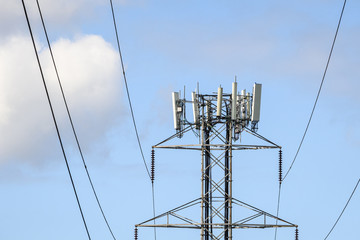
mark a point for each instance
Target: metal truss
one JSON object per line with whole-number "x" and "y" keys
{"x": 256, "y": 219}
{"x": 218, "y": 206}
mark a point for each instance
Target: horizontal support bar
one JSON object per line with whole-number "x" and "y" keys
{"x": 216, "y": 226}
{"x": 217, "y": 147}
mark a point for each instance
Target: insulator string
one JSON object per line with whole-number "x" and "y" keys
{"x": 136, "y": 233}
{"x": 152, "y": 165}
{"x": 280, "y": 166}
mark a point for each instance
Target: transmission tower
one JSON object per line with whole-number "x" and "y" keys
{"x": 219, "y": 120}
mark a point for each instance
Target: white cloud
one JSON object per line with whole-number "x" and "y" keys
{"x": 60, "y": 15}
{"x": 89, "y": 70}
{"x": 61, "y": 10}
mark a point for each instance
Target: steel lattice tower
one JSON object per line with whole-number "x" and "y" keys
{"x": 220, "y": 119}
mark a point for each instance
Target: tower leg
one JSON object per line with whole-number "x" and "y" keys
{"x": 207, "y": 183}
{"x": 226, "y": 213}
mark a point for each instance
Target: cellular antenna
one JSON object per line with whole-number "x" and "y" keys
{"x": 243, "y": 105}
{"x": 255, "y": 116}
{"x": 176, "y": 110}
{"x": 234, "y": 100}
{"x": 219, "y": 101}
{"x": 195, "y": 109}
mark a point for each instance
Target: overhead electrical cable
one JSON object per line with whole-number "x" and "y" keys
{"x": 313, "y": 109}
{"x": 127, "y": 89}
{"x": 153, "y": 205}
{"x": 277, "y": 210}
{"x": 347, "y": 203}
{"x": 54, "y": 119}
{"x": 318, "y": 94}
{"x": 132, "y": 112}
{"x": 71, "y": 122}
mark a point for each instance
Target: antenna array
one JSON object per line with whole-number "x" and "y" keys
{"x": 242, "y": 108}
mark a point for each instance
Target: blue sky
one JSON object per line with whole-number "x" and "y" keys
{"x": 168, "y": 44}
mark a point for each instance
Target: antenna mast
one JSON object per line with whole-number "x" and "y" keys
{"x": 221, "y": 119}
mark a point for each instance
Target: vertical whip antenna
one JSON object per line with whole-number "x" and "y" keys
{"x": 152, "y": 165}
{"x": 280, "y": 166}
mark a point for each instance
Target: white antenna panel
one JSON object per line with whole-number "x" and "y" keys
{"x": 248, "y": 106}
{"x": 255, "y": 116}
{"x": 234, "y": 101}
{"x": 243, "y": 105}
{"x": 195, "y": 108}
{"x": 175, "y": 101}
{"x": 219, "y": 102}
{"x": 238, "y": 107}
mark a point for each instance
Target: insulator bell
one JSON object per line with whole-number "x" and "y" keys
{"x": 152, "y": 165}
{"x": 136, "y": 233}
{"x": 280, "y": 166}
{"x": 297, "y": 234}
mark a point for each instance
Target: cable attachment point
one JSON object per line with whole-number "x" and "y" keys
{"x": 152, "y": 165}
{"x": 136, "y": 233}
{"x": 296, "y": 234}
{"x": 280, "y": 166}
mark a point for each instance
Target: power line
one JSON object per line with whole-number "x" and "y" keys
{"x": 127, "y": 89}
{"x": 153, "y": 203}
{"x": 71, "y": 122}
{"x": 318, "y": 94}
{"x": 131, "y": 110}
{"x": 54, "y": 119}
{"x": 277, "y": 211}
{"x": 337, "y": 220}
{"x": 312, "y": 112}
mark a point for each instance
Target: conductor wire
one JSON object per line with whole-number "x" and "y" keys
{"x": 313, "y": 110}
{"x": 132, "y": 112}
{"x": 54, "y": 119}
{"x": 347, "y": 203}
{"x": 277, "y": 210}
{"x": 318, "y": 94}
{"x": 127, "y": 89}
{"x": 71, "y": 122}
